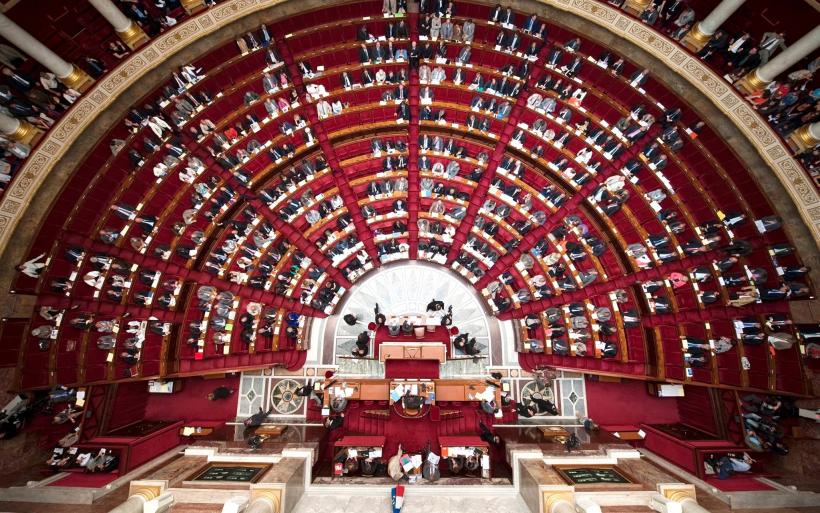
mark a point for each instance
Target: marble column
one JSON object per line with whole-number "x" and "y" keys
{"x": 19, "y": 130}
{"x": 759, "y": 78}
{"x": 68, "y": 74}
{"x": 690, "y": 505}
{"x": 587, "y": 504}
{"x": 804, "y": 138}
{"x": 134, "y": 504}
{"x": 145, "y": 492}
{"x": 263, "y": 505}
{"x": 562, "y": 506}
{"x": 130, "y": 33}
{"x": 703, "y": 30}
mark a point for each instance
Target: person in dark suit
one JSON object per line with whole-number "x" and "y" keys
{"x": 531, "y": 25}
{"x": 364, "y": 54}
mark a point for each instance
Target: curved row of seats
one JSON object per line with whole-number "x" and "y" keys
{"x": 249, "y": 227}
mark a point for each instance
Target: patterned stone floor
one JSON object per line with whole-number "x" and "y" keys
{"x": 418, "y": 504}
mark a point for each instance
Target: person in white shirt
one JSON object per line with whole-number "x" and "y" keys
{"x": 323, "y": 109}
{"x": 32, "y": 268}
{"x": 583, "y": 156}
{"x": 435, "y": 27}
{"x": 189, "y": 73}
{"x": 158, "y": 125}
{"x": 206, "y": 126}
{"x": 381, "y": 76}
{"x": 160, "y": 170}
{"x": 187, "y": 175}
{"x": 94, "y": 279}
{"x": 438, "y": 75}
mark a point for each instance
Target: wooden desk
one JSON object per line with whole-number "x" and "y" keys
{"x": 271, "y": 431}
{"x": 628, "y": 436}
{"x": 198, "y": 431}
{"x": 427, "y": 321}
{"x": 412, "y": 351}
{"x": 553, "y": 432}
{"x": 379, "y": 389}
{"x": 464, "y": 390}
{"x": 360, "y": 442}
{"x": 467, "y": 446}
{"x": 362, "y": 390}
{"x": 426, "y": 389}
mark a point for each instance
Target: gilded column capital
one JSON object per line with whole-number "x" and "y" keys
{"x": 751, "y": 83}
{"x": 78, "y": 79}
{"x": 26, "y": 133}
{"x": 695, "y": 39}
{"x": 133, "y": 36}
{"x": 802, "y": 139}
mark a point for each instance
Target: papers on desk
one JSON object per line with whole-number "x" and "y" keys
{"x": 397, "y": 393}
{"x": 342, "y": 391}
{"x": 489, "y": 393}
{"x": 449, "y": 452}
{"x": 407, "y": 463}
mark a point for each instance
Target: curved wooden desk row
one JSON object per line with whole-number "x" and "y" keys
{"x": 379, "y": 389}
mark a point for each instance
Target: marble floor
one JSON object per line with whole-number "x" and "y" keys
{"x": 417, "y": 504}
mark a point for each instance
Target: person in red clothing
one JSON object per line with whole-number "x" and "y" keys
{"x": 231, "y": 134}
{"x": 678, "y": 280}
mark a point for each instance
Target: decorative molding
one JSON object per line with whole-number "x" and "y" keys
{"x": 268, "y": 493}
{"x": 147, "y": 489}
{"x": 677, "y": 492}
{"x": 103, "y": 93}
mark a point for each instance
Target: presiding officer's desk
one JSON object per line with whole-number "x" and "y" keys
{"x": 379, "y": 389}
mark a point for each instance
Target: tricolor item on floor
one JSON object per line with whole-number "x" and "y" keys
{"x": 398, "y": 498}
